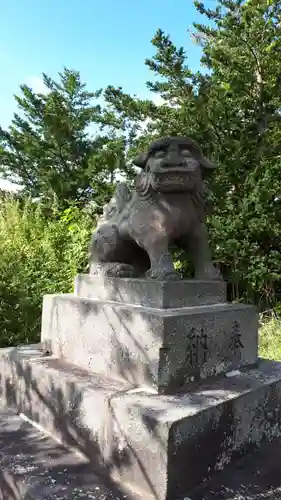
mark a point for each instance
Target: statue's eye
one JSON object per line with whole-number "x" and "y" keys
{"x": 159, "y": 154}
{"x": 186, "y": 152}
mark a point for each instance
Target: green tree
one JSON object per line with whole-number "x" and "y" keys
{"x": 243, "y": 104}
{"x": 38, "y": 255}
{"x": 233, "y": 109}
{"x": 49, "y": 149}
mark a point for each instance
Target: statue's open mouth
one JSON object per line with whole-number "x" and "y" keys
{"x": 177, "y": 179}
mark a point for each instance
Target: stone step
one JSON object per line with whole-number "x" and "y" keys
{"x": 257, "y": 476}
{"x": 35, "y": 467}
{"x": 166, "y": 349}
{"x": 151, "y": 293}
{"x": 160, "y": 447}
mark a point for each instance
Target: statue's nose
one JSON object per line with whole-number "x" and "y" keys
{"x": 172, "y": 159}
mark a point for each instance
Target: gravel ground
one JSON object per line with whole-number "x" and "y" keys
{"x": 35, "y": 467}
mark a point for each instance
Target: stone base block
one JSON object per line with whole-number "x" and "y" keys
{"x": 166, "y": 349}
{"x": 160, "y": 447}
{"x": 35, "y": 467}
{"x": 255, "y": 476}
{"x": 151, "y": 293}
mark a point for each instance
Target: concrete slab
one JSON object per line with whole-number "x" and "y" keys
{"x": 161, "y": 348}
{"x": 35, "y": 467}
{"x": 151, "y": 293}
{"x": 161, "y": 447}
{"x": 256, "y": 476}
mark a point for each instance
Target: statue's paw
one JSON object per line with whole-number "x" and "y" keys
{"x": 113, "y": 270}
{"x": 122, "y": 271}
{"x": 172, "y": 277}
{"x": 215, "y": 275}
{"x": 210, "y": 273}
{"x": 161, "y": 274}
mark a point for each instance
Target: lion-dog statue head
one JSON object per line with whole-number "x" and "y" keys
{"x": 172, "y": 164}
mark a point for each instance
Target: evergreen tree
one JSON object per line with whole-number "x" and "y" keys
{"x": 49, "y": 150}
{"x": 233, "y": 110}
{"x": 243, "y": 102}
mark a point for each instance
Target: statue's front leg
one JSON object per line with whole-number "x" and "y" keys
{"x": 196, "y": 243}
{"x": 161, "y": 262}
{"x": 109, "y": 254}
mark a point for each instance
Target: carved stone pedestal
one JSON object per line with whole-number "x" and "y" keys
{"x": 158, "y": 384}
{"x": 150, "y": 333}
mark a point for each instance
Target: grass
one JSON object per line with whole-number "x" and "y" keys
{"x": 270, "y": 336}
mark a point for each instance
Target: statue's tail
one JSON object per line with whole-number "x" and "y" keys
{"x": 118, "y": 201}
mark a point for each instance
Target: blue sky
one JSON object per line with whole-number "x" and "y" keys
{"x": 107, "y": 41}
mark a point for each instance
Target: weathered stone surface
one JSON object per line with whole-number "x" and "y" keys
{"x": 254, "y": 477}
{"x": 35, "y": 467}
{"x": 163, "y": 446}
{"x": 163, "y": 348}
{"x": 151, "y": 293}
{"x": 166, "y": 207}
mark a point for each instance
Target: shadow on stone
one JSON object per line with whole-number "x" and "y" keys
{"x": 34, "y": 467}
{"x": 253, "y": 477}
{"x": 63, "y": 412}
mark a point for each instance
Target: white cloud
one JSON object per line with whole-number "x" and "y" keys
{"x": 37, "y": 84}
{"x": 155, "y": 98}
{"x": 8, "y": 186}
{"x": 158, "y": 100}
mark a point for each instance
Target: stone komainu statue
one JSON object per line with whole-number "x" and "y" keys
{"x": 167, "y": 206}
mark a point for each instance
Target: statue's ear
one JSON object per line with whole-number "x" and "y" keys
{"x": 207, "y": 166}
{"x": 140, "y": 160}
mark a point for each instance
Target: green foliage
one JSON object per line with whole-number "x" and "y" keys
{"x": 37, "y": 256}
{"x": 270, "y": 335}
{"x": 233, "y": 111}
{"x": 243, "y": 104}
{"x": 49, "y": 150}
